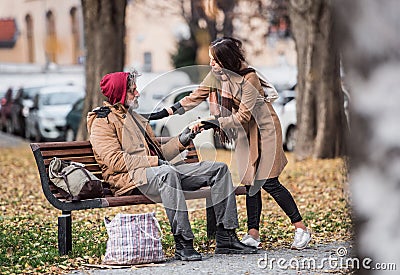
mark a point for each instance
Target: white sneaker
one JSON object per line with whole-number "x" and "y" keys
{"x": 301, "y": 239}
{"x": 251, "y": 241}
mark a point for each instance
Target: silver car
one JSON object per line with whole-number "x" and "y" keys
{"x": 173, "y": 125}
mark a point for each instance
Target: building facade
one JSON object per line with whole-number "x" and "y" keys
{"x": 51, "y": 31}
{"x": 48, "y": 31}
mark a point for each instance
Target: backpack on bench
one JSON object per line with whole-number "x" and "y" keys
{"x": 74, "y": 181}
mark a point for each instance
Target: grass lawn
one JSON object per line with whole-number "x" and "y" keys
{"x": 28, "y": 223}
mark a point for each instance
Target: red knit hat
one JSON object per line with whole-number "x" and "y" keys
{"x": 113, "y": 86}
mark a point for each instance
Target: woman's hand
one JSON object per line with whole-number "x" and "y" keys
{"x": 209, "y": 124}
{"x": 156, "y": 115}
{"x": 197, "y": 128}
{"x": 176, "y": 109}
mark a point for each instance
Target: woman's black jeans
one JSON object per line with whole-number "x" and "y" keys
{"x": 280, "y": 194}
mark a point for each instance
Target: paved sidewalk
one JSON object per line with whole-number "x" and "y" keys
{"x": 7, "y": 140}
{"x": 318, "y": 259}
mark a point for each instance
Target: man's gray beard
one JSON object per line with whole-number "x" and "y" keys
{"x": 132, "y": 104}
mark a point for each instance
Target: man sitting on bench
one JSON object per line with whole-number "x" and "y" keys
{"x": 132, "y": 160}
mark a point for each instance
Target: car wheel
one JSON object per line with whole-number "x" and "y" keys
{"x": 21, "y": 127}
{"x": 2, "y": 124}
{"x": 27, "y": 134}
{"x": 69, "y": 135}
{"x": 9, "y": 127}
{"x": 38, "y": 136}
{"x": 291, "y": 138}
{"x": 165, "y": 132}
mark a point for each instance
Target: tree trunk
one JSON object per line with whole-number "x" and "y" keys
{"x": 321, "y": 121}
{"x": 369, "y": 32}
{"x": 104, "y": 31}
{"x": 227, "y": 7}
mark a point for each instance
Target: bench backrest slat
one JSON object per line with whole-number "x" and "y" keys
{"x": 87, "y": 160}
{"x": 68, "y": 152}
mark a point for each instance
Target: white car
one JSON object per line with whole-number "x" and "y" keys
{"x": 285, "y": 108}
{"x": 47, "y": 117}
{"x": 288, "y": 119}
{"x": 153, "y": 87}
{"x": 174, "y": 125}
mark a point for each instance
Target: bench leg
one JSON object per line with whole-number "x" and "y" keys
{"x": 64, "y": 233}
{"x": 211, "y": 221}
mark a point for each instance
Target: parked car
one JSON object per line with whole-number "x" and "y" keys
{"x": 285, "y": 108}
{"x": 154, "y": 87}
{"x": 21, "y": 104}
{"x": 73, "y": 120}
{"x": 173, "y": 125}
{"x": 2, "y": 94}
{"x": 5, "y": 111}
{"x": 288, "y": 119}
{"x": 47, "y": 117}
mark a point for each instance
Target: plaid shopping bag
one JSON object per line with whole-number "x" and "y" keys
{"x": 133, "y": 239}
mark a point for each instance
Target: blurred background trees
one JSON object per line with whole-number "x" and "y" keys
{"x": 209, "y": 19}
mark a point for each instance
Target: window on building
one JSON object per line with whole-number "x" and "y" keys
{"x": 147, "y": 66}
{"x": 8, "y": 32}
{"x": 29, "y": 38}
{"x": 76, "y": 34}
{"x": 51, "y": 39}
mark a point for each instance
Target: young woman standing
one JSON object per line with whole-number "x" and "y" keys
{"x": 244, "y": 114}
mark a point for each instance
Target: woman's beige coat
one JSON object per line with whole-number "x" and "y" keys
{"x": 121, "y": 150}
{"x": 259, "y": 151}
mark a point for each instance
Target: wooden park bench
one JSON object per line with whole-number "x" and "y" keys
{"x": 81, "y": 151}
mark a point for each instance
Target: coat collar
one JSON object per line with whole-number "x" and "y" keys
{"x": 118, "y": 109}
{"x": 138, "y": 117}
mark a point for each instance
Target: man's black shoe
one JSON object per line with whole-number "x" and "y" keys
{"x": 228, "y": 243}
{"x": 185, "y": 251}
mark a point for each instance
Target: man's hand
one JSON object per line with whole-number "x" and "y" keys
{"x": 186, "y": 136}
{"x": 209, "y": 124}
{"x": 157, "y": 115}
